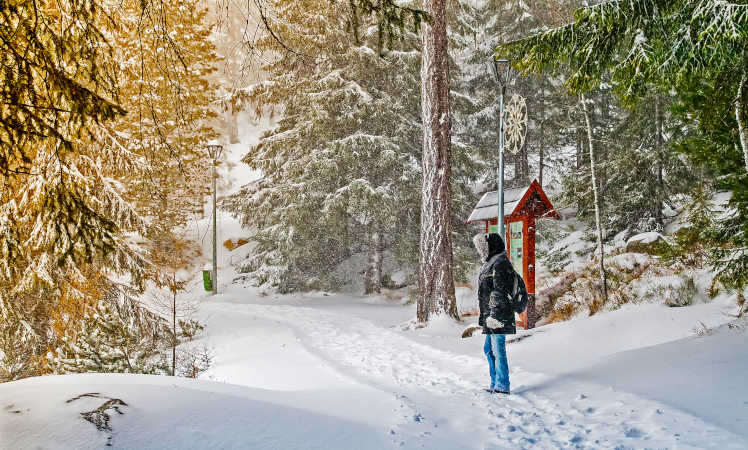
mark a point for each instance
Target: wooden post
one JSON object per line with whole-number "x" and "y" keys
{"x": 530, "y": 273}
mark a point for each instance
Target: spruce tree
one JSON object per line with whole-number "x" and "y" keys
{"x": 694, "y": 47}
{"x": 65, "y": 205}
{"x": 339, "y": 170}
{"x": 106, "y": 343}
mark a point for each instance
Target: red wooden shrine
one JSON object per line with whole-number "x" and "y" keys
{"x": 522, "y": 206}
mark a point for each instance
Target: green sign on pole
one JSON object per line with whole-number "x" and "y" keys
{"x": 207, "y": 281}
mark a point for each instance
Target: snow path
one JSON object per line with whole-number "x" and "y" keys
{"x": 439, "y": 401}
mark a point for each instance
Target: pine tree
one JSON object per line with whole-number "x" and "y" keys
{"x": 340, "y": 168}
{"x": 436, "y": 291}
{"x": 62, "y": 229}
{"x": 106, "y": 343}
{"x": 476, "y": 30}
{"x": 640, "y": 174}
{"x": 65, "y": 209}
{"x": 695, "y": 47}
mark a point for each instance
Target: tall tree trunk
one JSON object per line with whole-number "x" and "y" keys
{"x": 174, "y": 330}
{"x": 435, "y": 273}
{"x": 375, "y": 250}
{"x": 603, "y": 276}
{"x": 376, "y": 262}
{"x": 660, "y": 197}
{"x": 368, "y": 280}
{"x": 740, "y": 117}
{"x": 580, "y": 149}
{"x": 232, "y": 125}
{"x": 541, "y": 152}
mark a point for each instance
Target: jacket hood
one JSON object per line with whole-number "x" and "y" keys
{"x": 481, "y": 244}
{"x": 488, "y": 245}
{"x": 495, "y": 244}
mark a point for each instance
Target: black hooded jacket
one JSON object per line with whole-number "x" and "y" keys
{"x": 495, "y": 284}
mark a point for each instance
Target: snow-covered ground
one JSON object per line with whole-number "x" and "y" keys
{"x": 335, "y": 371}
{"x": 331, "y": 371}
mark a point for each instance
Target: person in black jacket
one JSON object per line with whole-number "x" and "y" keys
{"x": 495, "y": 283}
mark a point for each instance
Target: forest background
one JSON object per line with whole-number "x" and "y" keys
{"x": 108, "y": 108}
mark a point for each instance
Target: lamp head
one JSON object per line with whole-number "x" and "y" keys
{"x": 214, "y": 148}
{"x": 501, "y": 69}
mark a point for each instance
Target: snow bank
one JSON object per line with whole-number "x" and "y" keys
{"x": 162, "y": 413}
{"x": 704, "y": 376}
{"x": 645, "y": 238}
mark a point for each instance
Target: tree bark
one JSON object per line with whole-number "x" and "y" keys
{"x": 603, "y": 276}
{"x": 368, "y": 280}
{"x": 740, "y": 117}
{"x": 660, "y": 162}
{"x": 542, "y": 137}
{"x": 375, "y": 250}
{"x": 174, "y": 330}
{"x": 232, "y": 125}
{"x": 436, "y": 293}
{"x": 376, "y": 262}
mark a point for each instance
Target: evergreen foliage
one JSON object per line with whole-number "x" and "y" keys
{"x": 58, "y": 77}
{"x": 341, "y": 169}
{"x": 691, "y": 243}
{"x": 61, "y": 234}
{"x": 391, "y": 20}
{"x": 640, "y": 175}
{"x": 476, "y": 30}
{"x": 694, "y": 47}
{"x": 71, "y": 192}
{"x": 106, "y": 343}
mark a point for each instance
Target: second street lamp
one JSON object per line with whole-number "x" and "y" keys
{"x": 214, "y": 150}
{"x": 502, "y": 71}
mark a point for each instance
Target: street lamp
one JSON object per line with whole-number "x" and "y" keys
{"x": 214, "y": 150}
{"x": 502, "y": 71}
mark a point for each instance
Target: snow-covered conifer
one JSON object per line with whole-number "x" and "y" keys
{"x": 341, "y": 170}
{"x": 105, "y": 343}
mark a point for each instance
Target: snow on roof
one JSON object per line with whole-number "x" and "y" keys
{"x": 487, "y": 207}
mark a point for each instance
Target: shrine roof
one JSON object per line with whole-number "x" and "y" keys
{"x": 487, "y": 207}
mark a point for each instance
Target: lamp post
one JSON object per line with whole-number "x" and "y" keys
{"x": 214, "y": 150}
{"x": 502, "y": 71}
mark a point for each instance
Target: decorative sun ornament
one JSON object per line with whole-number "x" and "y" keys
{"x": 515, "y": 123}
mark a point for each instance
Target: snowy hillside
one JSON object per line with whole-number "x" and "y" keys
{"x": 329, "y": 371}
{"x": 323, "y": 371}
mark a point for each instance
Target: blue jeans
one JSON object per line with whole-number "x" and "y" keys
{"x": 495, "y": 350}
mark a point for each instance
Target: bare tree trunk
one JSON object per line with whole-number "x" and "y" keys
{"x": 368, "y": 279}
{"x": 174, "y": 330}
{"x": 660, "y": 162}
{"x": 603, "y": 276}
{"x": 740, "y": 117}
{"x": 372, "y": 280}
{"x": 376, "y": 261}
{"x": 580, "y": 149}
{"x": 232, "y": 125}
{"x": 542, "y": 136}
{"x": 435, "y": 274}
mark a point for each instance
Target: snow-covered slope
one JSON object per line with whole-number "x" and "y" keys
{"x": 332, "y": 371}
{"x": 335, "y": 371}
{"x": 153, "y": 412}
